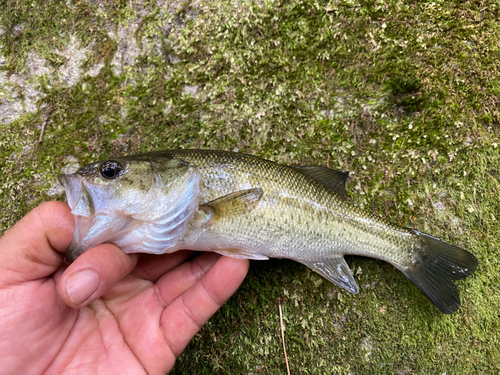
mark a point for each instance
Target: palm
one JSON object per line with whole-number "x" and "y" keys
{"x": 121, "y": 330}
{"x": 139, "y": 326}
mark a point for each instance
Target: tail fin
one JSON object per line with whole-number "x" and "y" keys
{"x": 440, "y": 263}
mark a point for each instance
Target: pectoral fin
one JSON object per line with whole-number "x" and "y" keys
{"x": 239, "y": 202}
{"x": 331, "y": 178}
{"x": 336, "y": 270}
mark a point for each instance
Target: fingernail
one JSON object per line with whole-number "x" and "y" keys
{"x": 81, "y": 285}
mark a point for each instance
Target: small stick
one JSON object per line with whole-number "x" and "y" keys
{"x": 45, "y": 121}
{"x": 283, "y": 336}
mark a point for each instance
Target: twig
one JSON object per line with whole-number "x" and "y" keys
{"x": 45, "y": 121}
{"x": 283, "y": 336}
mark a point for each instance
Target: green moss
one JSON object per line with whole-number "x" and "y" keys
{"x": 402, "y": 94}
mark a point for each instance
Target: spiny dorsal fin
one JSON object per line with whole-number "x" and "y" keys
{"x": 329, "y": 177}
{"x": 239, "y": 202}
{"x": 336, "y": 270}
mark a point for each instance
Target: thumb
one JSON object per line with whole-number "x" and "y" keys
{"x": 33, "y": 248}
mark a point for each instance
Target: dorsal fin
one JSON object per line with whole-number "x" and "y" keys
{"x": 331, "y": 178}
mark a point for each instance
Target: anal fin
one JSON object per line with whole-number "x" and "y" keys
{"x": 336, "y": 270}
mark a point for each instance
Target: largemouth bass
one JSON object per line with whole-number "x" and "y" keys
{"x": 243, "y": 206}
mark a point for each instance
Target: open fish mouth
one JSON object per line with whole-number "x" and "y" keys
{"x": 72, "y": 185}
{"x": 89, "y": 228}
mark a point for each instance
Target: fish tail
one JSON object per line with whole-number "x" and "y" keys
{"x": 438, "y": 263}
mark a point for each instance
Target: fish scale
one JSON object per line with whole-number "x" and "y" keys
{"x": 243, "y": 206}
{"x": 309, "y": 207}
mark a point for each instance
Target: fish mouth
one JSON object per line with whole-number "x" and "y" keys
{"x": 82, "y": 226}
{"x": 81, "y": 205}
{"x": 72, "y": 184}
{"x": 93, "y": 231}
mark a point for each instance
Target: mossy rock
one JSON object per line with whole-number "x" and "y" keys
{"x": 402, "y": 94}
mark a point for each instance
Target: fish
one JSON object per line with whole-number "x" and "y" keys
{"x": 243, "y": 206}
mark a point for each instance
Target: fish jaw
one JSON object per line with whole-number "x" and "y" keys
{"x": 92, "y": 231}
{"x": 72, "y": 185}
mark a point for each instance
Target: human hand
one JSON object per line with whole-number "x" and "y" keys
{"x": 108, "y": 312}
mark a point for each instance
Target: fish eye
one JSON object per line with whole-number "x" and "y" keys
{"x": 110, "y": 169}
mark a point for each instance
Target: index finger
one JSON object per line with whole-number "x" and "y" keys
{"x": 33, "y": 248}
